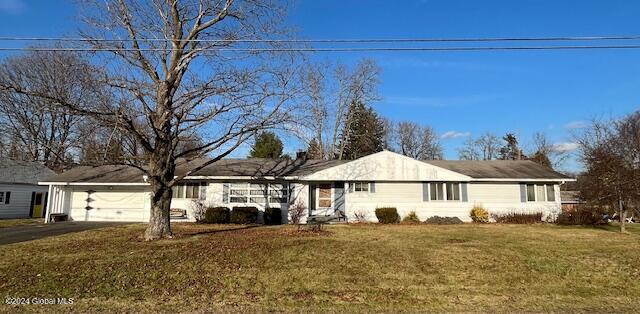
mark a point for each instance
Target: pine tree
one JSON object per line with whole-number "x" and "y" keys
{"x": 267, "y": 145}
{"x": 511, "y": 150}
{"x": 364, "y": 133}
{"x": 314, "y": 151}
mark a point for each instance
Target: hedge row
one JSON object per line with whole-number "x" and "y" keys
{"x": 241, "y": 215}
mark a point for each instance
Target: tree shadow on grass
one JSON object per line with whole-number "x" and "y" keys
{"x": 631, "y": 228}
{"x": 214, "y": 231}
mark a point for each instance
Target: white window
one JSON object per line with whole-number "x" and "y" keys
{"x": 541, "y": 192}
{"x": 453, "y": 191}
{"x": 187, "y": 190}
{"x": 551, "y": 193}
{"x": 540, "y": 197}
{"x": 360, "y": 186}
{"x": 258, "y": 193}
{"x": 531, "y": 192}
{"x": 437, "y": 191}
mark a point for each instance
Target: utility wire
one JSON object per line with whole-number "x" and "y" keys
{"x": 378, "y": 40}
{"x": 349, "y": 49}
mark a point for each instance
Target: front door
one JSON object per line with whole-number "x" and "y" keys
{"x": 38, "y": 205}
{"x": 325, "y": 202}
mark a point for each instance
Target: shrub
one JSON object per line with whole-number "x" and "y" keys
{"x": 198, "y": 208}
{"x": 437, "y": 220}
{"x": 479, "y": 214}
{"x": 411, "y": 218}
{"x": 216, "y": 215}
{"x": 518, "y": 218}
{"x": 272, "y": 216}
{"x": 361, "y": 216}
{"x": 582, "y": 215}
{"x": 296, "y": 211}
{"x": 387, "y": 215}
{"x": 244, "y": 215}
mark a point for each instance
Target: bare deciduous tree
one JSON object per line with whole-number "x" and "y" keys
{"x": 161, "y": 64}
{"x": 331, "y": 93}
{"x": 44, "y": 132}
{"x": 544, "y": 152}
{"x": 610, "y": 152}
{"x": 359, "y": 86}
{"x": 485, "y": 147}
{"x": 418, "y": 142}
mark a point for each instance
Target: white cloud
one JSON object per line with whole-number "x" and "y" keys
{"x": 565, "y": 147}
{"x": 454, "y": 134}
{"x": 576, "y": 125}
{"x": 12, "y": 6}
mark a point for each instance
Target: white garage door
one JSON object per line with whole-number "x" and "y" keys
{"x": 117, "y": 204}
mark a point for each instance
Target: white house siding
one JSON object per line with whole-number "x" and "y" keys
{"x": 20, "y": 201}
{"x": 505, "y": 197}
{"x": 407, "y": 197}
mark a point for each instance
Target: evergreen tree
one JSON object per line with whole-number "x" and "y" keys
{"x": 267, "y": 145}
{"x": 511, "y": 150}
{"x": 363, "y": 134}
{"x": 541, "y": 158}
{"x": 314, "y": 151}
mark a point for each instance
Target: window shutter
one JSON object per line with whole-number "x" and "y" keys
{"x": 523, "y": 193}
{"x": 425, "y": 191}
{"x": 7, "y": 197}
{"x": 350, "y": 184}
{"x": 225, "y": 193}
{"x": 464, "y": 187}
{"x": 372, "y": 187}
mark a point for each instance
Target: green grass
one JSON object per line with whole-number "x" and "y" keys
{"x": 5, "y": 223}
{"x": 360, "y": 268}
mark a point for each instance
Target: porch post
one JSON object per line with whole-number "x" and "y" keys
{"x": 47, "y": 209}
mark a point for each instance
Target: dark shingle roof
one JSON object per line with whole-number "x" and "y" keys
{"x": 256, "y": 168}
{"x": 259, "y": 168}
{"x": 23, "y": 172}
{"x": 499, "y": 169}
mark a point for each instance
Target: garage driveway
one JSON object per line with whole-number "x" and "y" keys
{"x": 28, "y": 233}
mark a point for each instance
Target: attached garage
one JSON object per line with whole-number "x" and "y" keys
{"x": 111, "y": 203}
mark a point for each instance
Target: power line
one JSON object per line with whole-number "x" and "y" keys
{"x": 347, "y": 49}
{"x": 360, "y": 40}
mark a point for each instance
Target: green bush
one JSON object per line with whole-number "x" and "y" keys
{"x": 411, "y": 218}
{"x": 518, "y": 218}
{"x": 216, "y": 215}
{"x": 244, "y": 215}
{"x": 437, "y": 220}
{"x": 479, "y": 214}
{"x": 387, "y": 215}
{"x": 272, "y": 216}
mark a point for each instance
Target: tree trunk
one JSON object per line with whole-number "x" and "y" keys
{"x": 622, "y": 214}
{"x": 159, "y": 224}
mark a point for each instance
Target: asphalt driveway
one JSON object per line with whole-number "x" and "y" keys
{"x": 33, "y": 232}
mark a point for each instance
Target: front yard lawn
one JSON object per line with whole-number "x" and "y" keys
{"x": 348, "y": 268}
{"x": 5, "y": 223}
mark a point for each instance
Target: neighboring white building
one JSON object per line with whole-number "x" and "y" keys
{"x": 385, "y": 179}
{"x": 20, "y": 194}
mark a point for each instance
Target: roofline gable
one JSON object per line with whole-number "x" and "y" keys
{"x": 434, "y": 176}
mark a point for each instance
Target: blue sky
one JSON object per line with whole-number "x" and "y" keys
{"x": 458, "y": 93}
